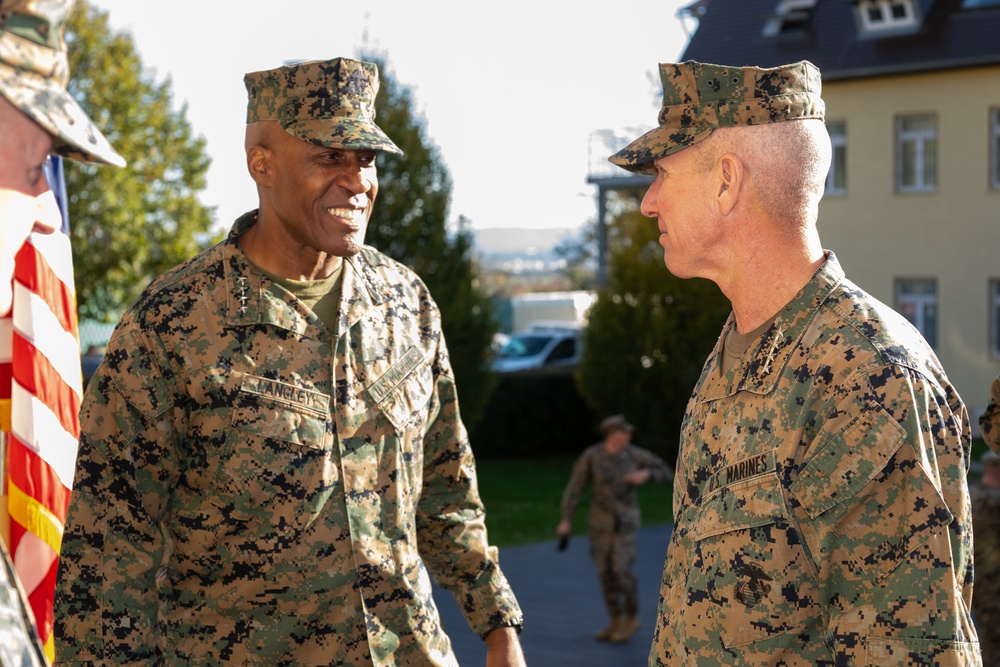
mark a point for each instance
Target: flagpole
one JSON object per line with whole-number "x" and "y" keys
{"x": 4, "y": 516}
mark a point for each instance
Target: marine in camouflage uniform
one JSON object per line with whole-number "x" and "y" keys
{"x": 986, "y": 525}
{"x": 989, "y": 421}
{"x": 37, "y": 117}
{"x": 613, "y": 468}
{"x": 821, "y": 506}
{"x": 257, "y": 485}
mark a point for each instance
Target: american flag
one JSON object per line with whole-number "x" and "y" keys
{"x": 41, "y": 386}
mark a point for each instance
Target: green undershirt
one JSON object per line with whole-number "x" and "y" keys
{"x": 322, "y": 296}
{"x": 736, "y": 344}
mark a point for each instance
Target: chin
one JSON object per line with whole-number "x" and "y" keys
{"x": 351, "y": 248}
{"x": 676, "y": 270}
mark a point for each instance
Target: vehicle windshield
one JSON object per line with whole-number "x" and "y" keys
{"x": 524, "y": 346}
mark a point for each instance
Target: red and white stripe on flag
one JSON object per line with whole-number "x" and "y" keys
{"x": 41, "y": 387}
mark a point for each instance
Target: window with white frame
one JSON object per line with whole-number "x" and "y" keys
{"x": 882, "y": 15}
{"x": 917, "y": 301}
{"x": 789, "y": 16}
{"x": 995, "y": 149}
{"x": 916, "y": 153}
{"x": 995, "y": 318}
{"x": 836, "y": 180}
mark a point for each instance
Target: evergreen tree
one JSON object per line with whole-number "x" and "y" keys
{"x": 129, "y": 225}
{"x": 648, "y": 335}
{"x": 410, "y": 224}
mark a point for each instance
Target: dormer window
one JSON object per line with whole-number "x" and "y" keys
{"x": 789, "y": 16}
{"x": 882, "y": 16}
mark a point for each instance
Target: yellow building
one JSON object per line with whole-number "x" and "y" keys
{"x": 912, "y": 208}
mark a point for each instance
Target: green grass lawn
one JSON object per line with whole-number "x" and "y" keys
{"x": 522, "y": 499}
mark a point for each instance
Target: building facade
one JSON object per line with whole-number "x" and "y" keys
{"x": 912, "y": 206}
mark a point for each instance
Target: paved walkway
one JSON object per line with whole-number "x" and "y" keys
{"x": 563, "y": 608}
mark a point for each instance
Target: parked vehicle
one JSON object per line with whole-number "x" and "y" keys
{"x": 539, "y": 346}
{"x": 89, "y": 361}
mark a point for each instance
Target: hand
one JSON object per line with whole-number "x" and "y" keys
{"x": 503, "y": 648}
{"x": 638, "y": 477}
{"x": 564, "y": 528}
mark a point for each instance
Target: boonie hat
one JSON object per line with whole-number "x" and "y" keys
{"x": 615, "y": 423}
{"x": 34, "y": 70}
{"x": 700, "y": 97}
{"x": 325, "y": 102}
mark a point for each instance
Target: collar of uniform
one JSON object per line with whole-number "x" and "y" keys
{"x": 250, "y": 300}
{"x": 760, "y": 372}
{"x": 362, "y": 288}
{"x": 243, "y": 284}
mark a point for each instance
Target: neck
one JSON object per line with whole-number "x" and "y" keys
{"x": 768, "y": 271}
{"x": 303, "y": 265}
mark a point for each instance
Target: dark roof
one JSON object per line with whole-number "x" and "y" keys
{"x": 730, "y": 32}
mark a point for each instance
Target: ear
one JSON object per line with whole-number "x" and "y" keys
{"x": 729, "y": 178}
{"x": 259, "y": 164}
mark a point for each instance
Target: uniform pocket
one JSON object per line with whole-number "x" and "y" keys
{"x": 750, "y": 563}
{"x": 910, "y": 652}
{"x": 404, "y": 389}
{"x": 875, "y": 497}
{"x": 274, "y": 464}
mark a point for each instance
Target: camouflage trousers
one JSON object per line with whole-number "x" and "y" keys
{"x": 614, "y": 555}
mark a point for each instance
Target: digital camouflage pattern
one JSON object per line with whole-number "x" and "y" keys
{"x": 821, "y": 506}
{"x": 254, "y": 489}
{"x": 19, "y": 643}
{"x": 613, "y": 505}
{"x": 699, "y": 97}
{"x": 614, "y": 516}
{"x": 34, "y": 70}
{"x": 306, "y": 97}
{"x": 989, "y": 421}
{"x": 986, "y": 600}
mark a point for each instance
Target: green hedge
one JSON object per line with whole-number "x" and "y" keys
{"x": 535, "y": 414}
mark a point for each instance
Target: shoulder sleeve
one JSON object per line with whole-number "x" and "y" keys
{"x": 989, "y": 421}
{"x": 451, "y": 517}
{"x": 883, "y": 505}
{"x": 577, "y": 483}
{"x": 105, "y": 599}
{"x": 659, "y": 470}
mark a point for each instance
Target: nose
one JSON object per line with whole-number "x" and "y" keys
{"x": 355, "y": 177}
{"x": 648, "y": 206}
{"x": 355, "y": 180}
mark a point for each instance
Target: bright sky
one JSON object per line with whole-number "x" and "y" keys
{"x": 511, "y": 91}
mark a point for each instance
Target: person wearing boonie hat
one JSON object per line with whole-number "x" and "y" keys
{"x": 613, "y": 468}
{"x": 272, "y": 461}
{"x": 989, "y": 421}
{"x": 37, "y": 118}
{"x": 809, "y": 528}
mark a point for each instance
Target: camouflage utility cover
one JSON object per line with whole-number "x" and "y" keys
{"x": 613, "y": 502}
{"x": 34, "y": 70}
{"x": 699, "y": 97}
{"x": 989, "y": 421}
{"x": 820, "y": 502}
{"x": 254, "y": 489}
{"x": 330, "y": 103}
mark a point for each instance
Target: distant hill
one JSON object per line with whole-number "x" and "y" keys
{"x": 520, "y": 241}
